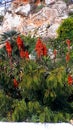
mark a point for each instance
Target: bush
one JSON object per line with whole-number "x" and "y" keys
{"x": 65, "y": 30}
{"x": 20, "y": 111}
{"x": 5, "y": 105}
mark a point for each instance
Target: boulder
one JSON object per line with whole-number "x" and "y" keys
{"x": 52, "y": 31}
{"x": 48, "y": 2}
{"x": 11, "y": 22}
{"x": 23, "y": 10}
{"x": 70, "y": 8}
{"x": 61, "y": 8}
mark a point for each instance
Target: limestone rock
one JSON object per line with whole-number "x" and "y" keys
{"x": 70, "y": 8}
{"x": 43, "y": 23}
{"x": 23, "y": 10}
{"x": 11, "y": 21}
{"x": 47, "y": 2}
{"x": 61, "y": 8}
{"x": 52, "y": 30}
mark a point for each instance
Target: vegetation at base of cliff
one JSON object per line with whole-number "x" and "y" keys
{"x": 36, "y": 78}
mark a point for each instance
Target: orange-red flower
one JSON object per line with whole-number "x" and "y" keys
{"x": 67, "y": 57}
{"x": 15, "y": 83}
{"x": 39, "y": 53}
{"x": 45, "y": 51}
{"x": 19, "y": 43}
{"x": 70, "y": 80}
{"x": 24, "y": 54}
{"x": 39, "y": 44}
{"x": 68, "y": 43}
{"x": 8, "y": 48}
{"x": 40, "y": 48}
{"x": 55, "y": 53}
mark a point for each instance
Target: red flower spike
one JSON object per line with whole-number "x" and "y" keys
{"x": 55, "y": 53}
{"x": 39, "y": 53}
{"x": 26, "y": 55}
{"x": 22, "y": 54}
{"x": 40, "y": 48}
{"x": 45, "y": 51}
{"x": 20, "y": 43}
{"x": 70, "y": 80}
{"x": 15, "y": 83}
{"x": 39, "y": 45}
{"x": 67, "y": 57}
{"x": 8, "y": 48}
{"x": 68, "y": 43}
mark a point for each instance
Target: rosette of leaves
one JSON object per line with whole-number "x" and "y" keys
{"x": 11, "y": 37}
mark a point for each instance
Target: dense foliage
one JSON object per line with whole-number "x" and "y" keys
{"x": 36, "y": 82}
{"x": 66, "y": 29}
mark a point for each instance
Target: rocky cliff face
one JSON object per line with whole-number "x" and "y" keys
{"x": 42, "y": 20}
{"x": 33, "y": 1}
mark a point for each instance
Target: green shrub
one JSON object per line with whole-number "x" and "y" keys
{"x": 20, "y": 111}
{"x": 65, "y": 30}
{"x": 34, "y": 107}
{"x": 71, "y": 14}
{"x": 5, "y": 104}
